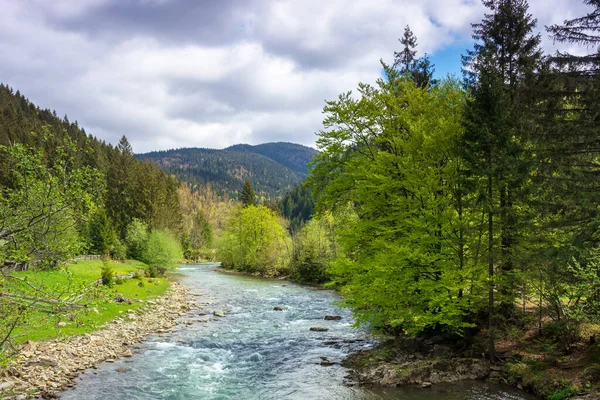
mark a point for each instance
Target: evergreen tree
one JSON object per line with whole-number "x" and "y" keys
{"x": 499, "y": 71}
{"x": 419, "y": 70}
{"x": 406, "y": 58}
{"x": 248, "y": 197}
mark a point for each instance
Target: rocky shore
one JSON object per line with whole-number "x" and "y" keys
{"x": 46, "y": 369}
{"x": 414, "y": 362}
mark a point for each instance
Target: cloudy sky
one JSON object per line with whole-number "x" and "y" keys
{"x": 212, "y": 73}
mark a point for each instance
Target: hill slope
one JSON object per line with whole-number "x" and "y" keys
{"x": 291, "y": 155}
{"x": 273, "y": 168}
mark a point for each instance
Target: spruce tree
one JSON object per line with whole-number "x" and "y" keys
{"x": 568, "y": 146}
{"x": 498, "y": 71}
{"x": 406, "y": 58}
{"x": 248, "y": 197}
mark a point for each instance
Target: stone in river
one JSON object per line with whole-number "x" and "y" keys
{"x": 219, "y": 313}
{"x": 332, "y": 318}
{"x": 317, "y": 329}
{"x": 277, "y": 309}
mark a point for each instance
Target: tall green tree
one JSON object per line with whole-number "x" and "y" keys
{"x": 499, "y": 70}
{"x": 406, "y": 57}
{"x": 388, "y": 157}
{"x": 248, "y": 197}
{"x": 42, "y": 209}
{"x": 254, "y": 241}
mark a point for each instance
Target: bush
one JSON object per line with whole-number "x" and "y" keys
{"x": 119, "y": 251}
{"x": 136, "y": 239}
{"x": 107, "y": 274}
{"x": 254, "y": 241}
{"x": 162, "y": 251}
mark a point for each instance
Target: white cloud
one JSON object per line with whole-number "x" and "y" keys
{"x": 177, "y": 73}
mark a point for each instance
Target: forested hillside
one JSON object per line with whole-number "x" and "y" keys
{"x": 294, "y": 156}
{"x": 81, "y": 193}
{"x": 273, "y": 168}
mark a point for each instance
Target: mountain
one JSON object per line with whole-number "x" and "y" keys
{"x": 273, "y": 168}
{"x": 291, "y": 155}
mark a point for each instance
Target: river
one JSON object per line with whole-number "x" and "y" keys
{"x": 255, "y": 352}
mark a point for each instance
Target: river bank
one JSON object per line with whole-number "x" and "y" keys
{"x": 46, "y": 369}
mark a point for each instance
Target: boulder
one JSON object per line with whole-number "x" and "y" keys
{"x": 318, "y": 329}
{"x": 219, "y": 313}
{"x": 277, "y": 309}
{"x": 332, "y": 318}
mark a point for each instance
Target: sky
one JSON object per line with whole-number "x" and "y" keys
{"x": 213, "y": 73}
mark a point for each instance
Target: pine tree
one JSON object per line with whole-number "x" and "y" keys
{"x": 248, "y": 197}
{"x": 568, "y": 146}
{"x": 498, "y": 71}
{"x": 406, "y": 58}
{"x": 420, "y": 70}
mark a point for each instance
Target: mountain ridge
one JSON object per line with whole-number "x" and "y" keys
{"x": 274, "y": 167}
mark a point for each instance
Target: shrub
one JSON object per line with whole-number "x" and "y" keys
{"x": 162, "y": 251}
{"x": 107, "y": 274}
{"x": 136, "y": 239}
{"x": 254, "y": 241}
{"x": 119, "y": 251}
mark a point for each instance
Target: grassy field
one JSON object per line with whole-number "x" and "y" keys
{"x": 101, "y": 306}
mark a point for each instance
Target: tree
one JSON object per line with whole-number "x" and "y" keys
{"x": 254, "y": 241}
{"x": 162, "y": 251}
{"x": 498, "y": 71}
{"x": 101, "y": 233}
{"x": 314, "y": 247}
{"x": 201, "y": 235}
{"x": 419, "y": 70}
{"x": 136, "y": 239}
{"x": 406, "y": 58}
{"x": 41, "y": 210}
{"x": 388, "y": 163}
{"x": 247, "y": 197}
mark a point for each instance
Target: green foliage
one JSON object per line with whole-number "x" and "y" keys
{"x": 162, "y": 251}
{"x": 136, "y": 238}
{"x": 107, "y": 274}
{"x": 248, "y": 197}
{"x": 201, "y": 236}
{"x": 412, "y": 254}
{"x": 119, "y": 251}
{"x": 254, "y": 241}
{"x": 298, "y": 206}
{"x": 314, "y": 247}
{"x": 42, "y": 207}
{"x": 101, "y": 233}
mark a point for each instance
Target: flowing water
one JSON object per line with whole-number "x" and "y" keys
{"x": 255, "y": 352}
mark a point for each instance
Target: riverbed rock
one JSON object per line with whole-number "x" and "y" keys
{"x": 403, "y": 369}
{"x": 219, "y": 313}
{"x": 277, "y": 309}
{"x": 318, "y": 329}
{"x": 332, "y": 318}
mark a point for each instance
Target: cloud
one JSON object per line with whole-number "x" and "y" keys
{"x": 179, "y": 73}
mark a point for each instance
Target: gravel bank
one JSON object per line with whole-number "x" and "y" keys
{"x": 46, "y": 369}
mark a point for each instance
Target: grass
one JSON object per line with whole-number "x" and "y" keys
{"x": 101, "y": 305}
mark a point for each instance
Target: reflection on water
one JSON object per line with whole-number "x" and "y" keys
{"x": 255, "y": 352}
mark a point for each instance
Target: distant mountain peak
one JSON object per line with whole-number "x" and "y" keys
{"x": 273, "y": 168}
